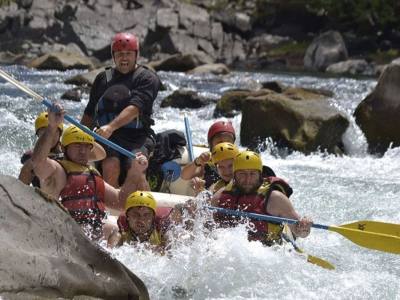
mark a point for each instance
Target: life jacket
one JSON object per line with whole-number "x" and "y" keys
{"x": 28, "y": 155}
{"x": 232, "y": 198}
{"x": 160, "y": 225}
{"x": 83, "y": 195}
{"x": 116, "y": 98}
{"x": 219, "y": 185}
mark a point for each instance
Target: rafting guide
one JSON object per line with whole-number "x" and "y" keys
{"x": 120, "y": 107}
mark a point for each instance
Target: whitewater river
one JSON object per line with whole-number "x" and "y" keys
{"x": 330, "y": 189}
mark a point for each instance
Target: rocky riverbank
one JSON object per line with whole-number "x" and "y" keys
{"x": 251, "y": 35}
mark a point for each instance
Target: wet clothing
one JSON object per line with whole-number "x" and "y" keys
{"x": 109, "y": 96}
{"x": 83, "y": 195}
{"x": 232, "y": 198}
{"x": 160, "y": 225}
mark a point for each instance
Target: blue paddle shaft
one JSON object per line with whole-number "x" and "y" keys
{"x": 260, "y": 217}
{"x": 189, "y": 138}
{"x": 92, "y": 133}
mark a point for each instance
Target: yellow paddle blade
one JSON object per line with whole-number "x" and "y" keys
{"x": 371, "y": 240}
{"x": 320, "y": 262}
{"x": 288, "y": 237}
{"x": 375, "y": 226}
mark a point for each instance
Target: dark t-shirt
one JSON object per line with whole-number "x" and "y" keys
{"x": 143, "y": 85}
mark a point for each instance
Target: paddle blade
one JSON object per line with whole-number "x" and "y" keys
{"x": 371, "y": 240}
{"x": 375, "y": 226}
{"x": 320, "y": 262}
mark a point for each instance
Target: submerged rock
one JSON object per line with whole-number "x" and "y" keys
{"x": 45, "y": 254}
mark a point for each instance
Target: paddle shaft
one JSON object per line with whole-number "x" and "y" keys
{"x": 189, "y": 138}
{"x": 260, "y": 217}
{"x": 49, "y": 104}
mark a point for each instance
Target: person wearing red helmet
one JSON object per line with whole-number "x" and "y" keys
{"x": 201, "y": 170}
{"x": 120, "y": 106}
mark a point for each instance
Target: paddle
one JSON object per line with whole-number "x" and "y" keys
{"x": 48, "y": 103}
{"x": 288, "y": 237}
{"x": 189, "y": 138}
{"x": 372, "y": 240}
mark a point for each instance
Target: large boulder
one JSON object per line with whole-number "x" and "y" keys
{"x": 232, "y": 102}
{"x": 326, "y": 49}
{"x": 185, "y": 99}
{"x": 181, "y": 62}
{"x": 44, "y": 254}
{"x": 302, "y": 125}
{"x": 378, "y": 114}
{"x": 61, "y": 61}
{"x": 86, "y": 79}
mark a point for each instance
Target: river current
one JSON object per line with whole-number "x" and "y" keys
{"x": 328, "y": 188}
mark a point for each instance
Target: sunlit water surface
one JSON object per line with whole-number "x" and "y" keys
{"x": 224, "y": 265}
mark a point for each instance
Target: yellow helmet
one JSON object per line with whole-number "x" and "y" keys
{"x": 247, "y": 160}
{"x": 75, "y": 135}
{"x": 42, "y": 121}
{"x": 140, "y": 198}
{"x": 223, "y": 151}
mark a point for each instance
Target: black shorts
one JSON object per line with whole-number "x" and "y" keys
{"x": 142, "y": 143}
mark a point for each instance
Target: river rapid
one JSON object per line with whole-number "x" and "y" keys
{"x": 224, "y": 265}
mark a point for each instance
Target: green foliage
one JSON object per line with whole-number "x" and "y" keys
{"x": 5, "y": 2}
{"x": 290, "y": 48}
{"x": 384, "y": 57}
{"x": 364, "y": 15}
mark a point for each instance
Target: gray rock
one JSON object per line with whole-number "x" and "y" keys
{"x": 182, "y": 63}
{"x": 185, "y": 99}
{"x": 167, "y": 18}
{"x": 216, "y": 69}
{"x": 351, "y": 66}
{"x": 61, "y": 61}
{"x": 84, "y": 79}
{"x": 378, "y": 114}
{"x": 305, "y": 126}
{"x": 44, "y": 253}
{"x": 326, "y": 49}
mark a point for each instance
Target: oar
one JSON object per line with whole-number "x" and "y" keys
{"x": 288, "y": 236}
{"x": 48, "y": 103}
{"x": 375, "y": 226}
{"x": 372, "y": 240}
{"x": 189, "y": 138}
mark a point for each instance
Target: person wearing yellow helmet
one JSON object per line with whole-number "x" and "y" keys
{"x": 250, "y": 192}
{"x": 139, "y": 223}
{"x": 144, "y": 222}
{"x": 222, "y": 156}
{"x": 77, "y": 184}
{"x": 26, "y": 174}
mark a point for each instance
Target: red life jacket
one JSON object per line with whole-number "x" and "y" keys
{"x": 232, "y": 198}
{"x": 83, "y": 195}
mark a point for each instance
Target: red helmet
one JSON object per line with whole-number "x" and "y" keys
{"x": 124, "y": 42}
{"x": 220, "y": 126}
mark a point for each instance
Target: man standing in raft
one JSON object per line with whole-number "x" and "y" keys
{"x": 121, "y": 104}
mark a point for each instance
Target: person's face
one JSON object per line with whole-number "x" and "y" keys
{"x": 247, "y": 180}
{"x": 140, "y": 219}
{"x": 222, "y": 137}
{"x": 79, "y": 152}
{"x": 125, "y": 61}
{"x": 225, "y": 169}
